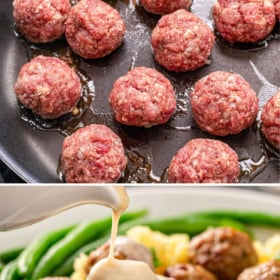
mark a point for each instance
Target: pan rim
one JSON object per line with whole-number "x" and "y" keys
{"x": 15, "y": 167}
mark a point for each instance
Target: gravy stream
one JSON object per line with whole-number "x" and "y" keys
{"x": 113, "y": 269}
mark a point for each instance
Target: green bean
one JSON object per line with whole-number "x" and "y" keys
{"x": 9, "y": 272}
{"x": 246, "y": 217}
{"x": 62, "y": 249}
{"x": 81, "y": 235}
{"x": 30, "y": 257}
{"x": 67, "y": 267}
{"x": 195, "y": 223}
{"x": 88, "y": 248}
{"x": 237, "y": 225}
{"x": 1, "y": 266}
{"x": 10, "y": 255}
{"x": 130, "y": 216}
{"x": 191, "y": 225}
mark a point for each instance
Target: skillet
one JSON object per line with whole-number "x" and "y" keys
{"x": 31, "y": 147}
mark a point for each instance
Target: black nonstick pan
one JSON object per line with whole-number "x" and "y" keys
{"x": 32, "y": 147}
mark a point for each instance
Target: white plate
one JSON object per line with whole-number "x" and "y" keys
{"x": 161, "y": 201}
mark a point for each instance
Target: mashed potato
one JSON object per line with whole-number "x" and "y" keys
{"x": 80, "y": 266}
{"x": 268, "y": 250}
{"x": 169, "y": 250}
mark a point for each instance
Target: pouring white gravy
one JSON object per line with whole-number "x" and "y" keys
{"x": 113, "y": 269}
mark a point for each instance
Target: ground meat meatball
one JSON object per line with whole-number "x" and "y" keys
{"x": 224, "y": 103}
{"x": 41, "y": 21}
{"x": 143, "y": 97}
{"x": 271, "y": 120}
{"x": 182, "y": 42}
{"x": 125, "y": 249}
{"x": 204, "y": 161}
{"x": 265, "y": 271}
{"x": 189, "y": 272}
{"x": 48, "y": 86}
{"x": 223, "y": 251}
{"x": 277, "y": 8}
{"x": 244, "y": 21}
{"x": 162, "y": 7}
{"x": 94, "y": 29}
{"x": 93, "y": 154}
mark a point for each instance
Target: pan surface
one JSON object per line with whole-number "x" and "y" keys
{"x": 31, "y": 146}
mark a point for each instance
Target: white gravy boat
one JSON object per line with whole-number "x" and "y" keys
{"x": 22, "y": 205}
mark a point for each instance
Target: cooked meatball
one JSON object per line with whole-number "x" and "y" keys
{"x": 48, "y": 86}
{"x": 224, "y": 103}
{"x": 223, "y": 251}
{"x": 125, "y": 249}
{"x": 94, "y": 29}
{"x": 93, "y": 154}
{"x": 277, "y": 8}
{"x": 265, "y": 271}
{"x": 271, "y": 120}
{"x": 143, "y": 97}
{"x": 189, "y": 272}
{"x": 182, "y": 41}
{"x": 204, "y": 161}
{"x": 162, "y": 7}
{"x": 244, "y": 21}
{"x": 41, "y": 21}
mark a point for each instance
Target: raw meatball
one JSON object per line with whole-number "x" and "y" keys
{"x": 224, "y": 103}
{"x": 189, "y": 272}
{"x": 271, "y": 120}
{"x": 244, "y": 21}
{"x": 182, "y": 42}
{"x": 94, "y": 29}
{"x": 204, "y": 161}
{"x": 125, "y": 249}
{"x": 223, "y": 251}
{"x": 48, "y": 86}
{"x": 143, "y": 97}
{"x": 277, "y": 8}
{"x": 41, "y": 21}
{"x": 93, "y": 154}
{"x": 265, "y": 271}
{"x": 162, "y": 7}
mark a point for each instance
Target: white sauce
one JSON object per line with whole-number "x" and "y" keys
{"x": 113, "y": 269}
